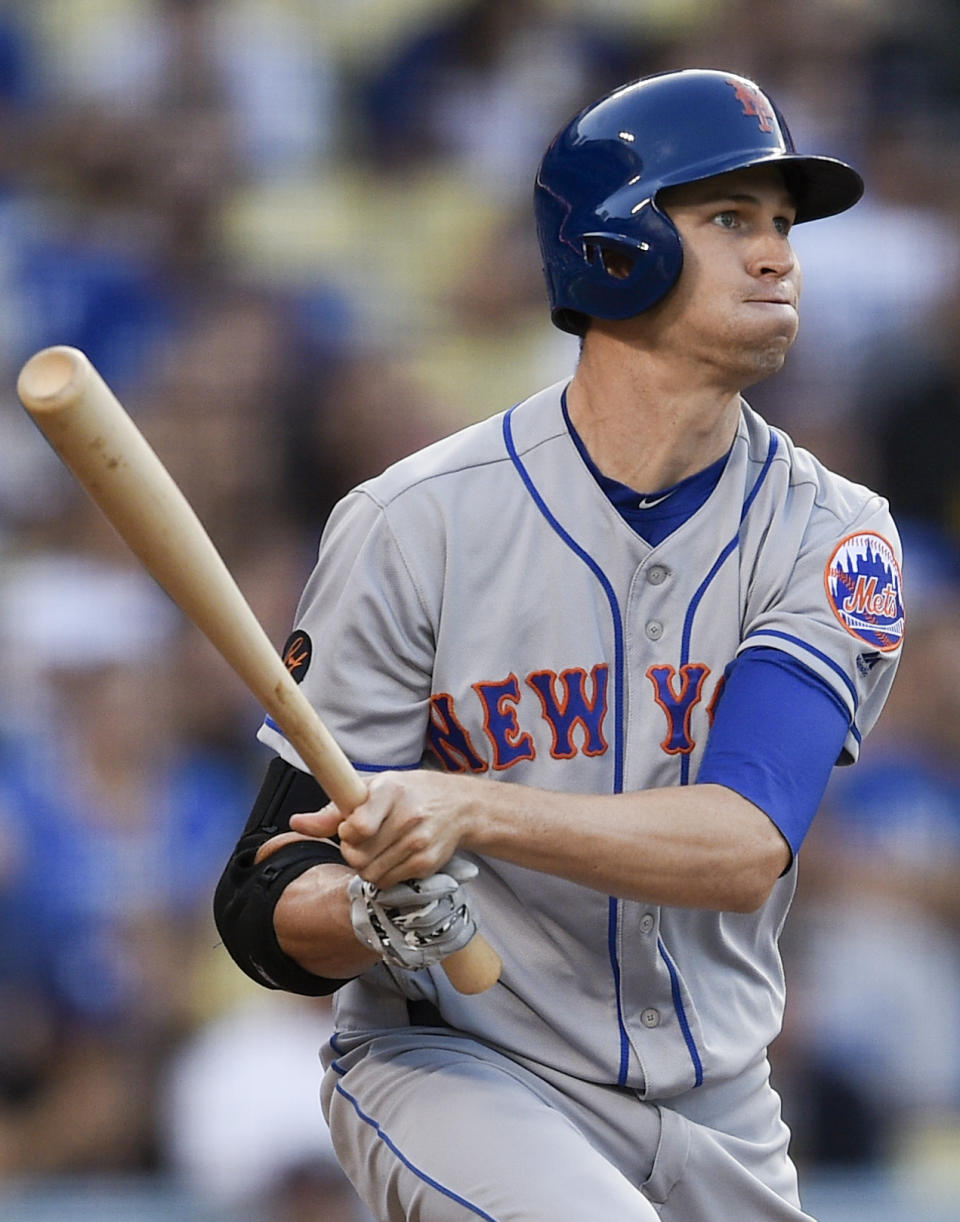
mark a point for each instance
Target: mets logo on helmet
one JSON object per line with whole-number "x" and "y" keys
{"x": 865, "y": 589}
{"x": 753, "y": 103}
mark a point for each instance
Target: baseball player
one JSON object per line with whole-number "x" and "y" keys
{"x": 596, "y": 656}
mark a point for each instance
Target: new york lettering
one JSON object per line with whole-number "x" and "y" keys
{"x": 573, "y": 704}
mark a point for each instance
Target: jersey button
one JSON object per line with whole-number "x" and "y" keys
{"x": 647, "y": 922}
{"x": 654, "y": 630}
{"x": 657, "y": 575}
{"x": 650, "y": 1017}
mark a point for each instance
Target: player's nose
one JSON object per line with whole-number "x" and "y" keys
{"x": 773, "y": 255}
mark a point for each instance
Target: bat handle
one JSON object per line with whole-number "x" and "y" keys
{"x": 475, "y": 967}
{"x": 472, "y": 969}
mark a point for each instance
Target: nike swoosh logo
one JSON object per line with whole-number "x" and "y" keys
{"x": 646, "y": 503}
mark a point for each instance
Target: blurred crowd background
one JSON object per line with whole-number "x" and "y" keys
{"x": 296, "y": 238}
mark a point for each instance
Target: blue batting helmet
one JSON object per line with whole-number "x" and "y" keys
{"x": 596, "y": 189}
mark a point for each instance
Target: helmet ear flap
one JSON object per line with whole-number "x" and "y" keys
{"x": 624, "y": 273}
{"x": 615, "y": 259}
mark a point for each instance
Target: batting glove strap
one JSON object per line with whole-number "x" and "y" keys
{"x": 417, "y": 923}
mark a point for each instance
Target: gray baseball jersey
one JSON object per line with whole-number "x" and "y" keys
{"x": 481, "y": 607}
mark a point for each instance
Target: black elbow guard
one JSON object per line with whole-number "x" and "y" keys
{"x": 247, "y": 893}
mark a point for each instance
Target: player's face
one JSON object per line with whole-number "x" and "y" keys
{"x": 735, "y": 304}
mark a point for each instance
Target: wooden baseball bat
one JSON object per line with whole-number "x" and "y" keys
{"x": 83, "y": 421}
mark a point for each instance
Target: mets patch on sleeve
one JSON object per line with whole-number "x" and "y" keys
{"x": 865, "y": 589}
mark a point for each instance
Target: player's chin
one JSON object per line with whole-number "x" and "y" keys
{"x": 762, "y": 361}
{"x": 771, "y": 344}
{"x": 774, "y": 319}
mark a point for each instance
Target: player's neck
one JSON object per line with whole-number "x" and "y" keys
{"x": 644, "y": 423}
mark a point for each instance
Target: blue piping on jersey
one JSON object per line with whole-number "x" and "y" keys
{"x": 395, "y": 1150}
{"x": 360, "y": 765}
{"x": 364, "y": 767}
{"x": 717, "y": 565}
{"x": 682, "y": 1014}
{"x": 834, "y": 666}
{"x": 618, "y": 688}
{"x": 685, "y": 759}
{"x": 608, "y": 590}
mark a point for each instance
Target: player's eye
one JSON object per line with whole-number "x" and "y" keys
{"x": 782, "y": 225}
{"x": 726, "y": 220}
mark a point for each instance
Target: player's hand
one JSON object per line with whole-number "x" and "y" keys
{"x": 416, "y": 923}
{"x": 410, "y": 826}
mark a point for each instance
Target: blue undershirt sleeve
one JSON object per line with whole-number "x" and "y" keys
{"x": 778, "y": 731}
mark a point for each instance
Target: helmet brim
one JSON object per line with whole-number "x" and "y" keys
{"x": 820, "y": 186}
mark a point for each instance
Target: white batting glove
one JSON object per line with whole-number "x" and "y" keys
{"x": 416, "y": 923}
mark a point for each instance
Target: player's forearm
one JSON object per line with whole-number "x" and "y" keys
{"x": 312, "y": 924}
{"x": 701, "y": 846}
